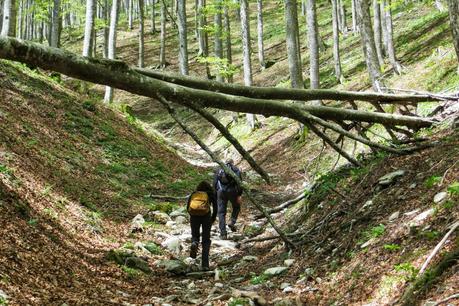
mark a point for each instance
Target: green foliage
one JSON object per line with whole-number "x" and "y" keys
{"x": 165, "y": 207}
{"x": 5, "y": 170}
{"x": 153, "y": 248}
{"x": 220, "y": 65}
{"x": 131, "y": 273}
{"x": 89, "y": 105}
{"x": 3, "y": 301}
{"x": 392, "y": 247}
{"x": 258, "y": 279}
{"x": 51, "y": 212}
{"x": 430, "y": 235}
{"x": 373, "y": 232}
{"x": 453, "y": 189}
{"x": 128, "y": 245}
{"x": 408, "y": 270}
{"x": 432, "y": 181}
{"x": 239, "y": 302}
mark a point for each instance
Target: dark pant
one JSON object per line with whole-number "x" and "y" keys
{"x": 196, "y": 223}
{"x": 223, "y": 196}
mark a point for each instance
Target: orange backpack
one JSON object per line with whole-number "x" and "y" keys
{"x": 199, "y": 204}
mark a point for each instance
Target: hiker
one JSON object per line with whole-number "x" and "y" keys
{"x": 202, "y": 207}
{"x": 227, "y": 190}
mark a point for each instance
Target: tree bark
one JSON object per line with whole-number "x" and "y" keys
{"x": 162, "y": 52}
{"x": 112, "y": 44}
{"x": 292, "y": 40}
{"x": 153, "y": 13}
{"x": 89, "y": 28}
{"x": 106, "y": 10}
{"x": 55, "y": 24}
{"x": 454, "y": 20}
{"x": 119, "y": 75}
{"x": 354, "y": 16}
{"x": 390, "y": 38}
{"x": 203, "y": 36}
{"x": 229, "y": 54}
{"x": 246, "y": 52}
{"x": 313, "y": 40}
{"x": 141, "y": 34}
{"x": 377, "y": 30}
{"x": 183, "y": 44}
{"x": 290, "y": 93}
{"x": 342, "y": 13}
{"x": 218, "y": 45}
{"x": 261, "y": 49}
{"x": 130, "y": 9}
{"x": 336, "y": 53}
{"x": 368, "y": 43}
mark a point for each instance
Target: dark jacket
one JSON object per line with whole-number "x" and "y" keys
{"x": 214, "y": 207}
{"x": 218, "y": 185}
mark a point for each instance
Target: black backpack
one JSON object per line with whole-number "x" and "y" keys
{"x": 226, "y": 179}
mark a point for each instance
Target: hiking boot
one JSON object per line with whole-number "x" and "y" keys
{"x": 223, "y": 236}
{"x": 205, "y": 268}
{"x": 232, "y": 227}
{"x": 194, "y": 250}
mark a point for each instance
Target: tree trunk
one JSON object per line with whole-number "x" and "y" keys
{"x": 131, "y": 14}
{"x": 183, "y": 45}
{"x": 9, "y": 18}
{"x": 378, "y": 31}
{"x": 342, "y": 18}
{"x": 313, "y": 40}
{"x": 89, "y": 27}
{"x": 246, "y": 51}
{"x": 454, "y": 20}
{"x": 336, "y": 54}
{"x": 203, "y": 37}
{"x": 261, "y": 51}
{"x": 354, "y": 16}
{"x": 55, "y": 24}
{"x": 229, "y": 53}
{"x": 390, "y": 38}
{"x": 153, "y": 12}
{"x": 292, "y": 40}
{"x": 368, "y": 43}
{"x": 218, "y": 45}
{"x": 162, "y": 52}
{"x": 141, "y": 34}
{"x": 112, "y": 44}
{"x": 106, "y": 27}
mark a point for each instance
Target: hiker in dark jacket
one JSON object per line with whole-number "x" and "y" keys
{"x": 202, "y": 207}
{"x": 227, "y": 190}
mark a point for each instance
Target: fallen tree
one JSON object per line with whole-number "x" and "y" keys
{"x": 118, "y": 74}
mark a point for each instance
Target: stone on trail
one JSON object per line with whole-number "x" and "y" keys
{"x": 137, "y": 224}
{"x": 138, "y": 263}
{"x": 181, "y": 220}
{"x": 390, "y": 178}
{"x": 255, "y": 297}
{"x": 394, "y": 216}
{"x": 170, "y": 224}
{"x": 249, "y": 258}
{"x": 174, "y": 266}
{"x": 173, "y": 244}
{"x": 419, "y": 219}
{"x": 179, "y": 212}
{"x": 284, "y": 285}
{"x": 275, "y": 271}
{"x": 440, "y": 197}
{"x": 159, "y": 217}
{"x": 289, "y": 262}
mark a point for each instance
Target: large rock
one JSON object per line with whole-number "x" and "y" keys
{"x": 137, "y": 224}
{"x": 275, "y": 271}
{"x": 390, "y": 178}
{"x": 181, "y": 220}
{"x": 173, "y": 244}
{"x": 159, "y": 217}
{"x": 440, "y": 197}
{"x": 179, "y": 212}
{"x": 177, "y": 267}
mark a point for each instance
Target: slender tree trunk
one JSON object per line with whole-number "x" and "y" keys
{"x": 313, "y": 40}
{"x": 261, "y": 49}
{"x": 354, "y": 16}
{"x": 9, "y": 18}
{"x": 378, "y": 31}
{"x": 203, "y": 37}
{"x": 112, "y": 44}
{"x": 368, "y": 43}
{"x": 55, "y": 25}
{"x": 383, "y": 26}
{"x": 89, "y": 27}
{"x": 454, "y": 20}
{"x": 131, "y": 15}
{"x": 229, "y": 53}
{"x": 390, "y": 39}
{"x": 20, "y": 20}
{"x": 141, "y": 34}
{"x": 153, "y": 12}
{"x": 218, "y": 45}
{"x": 342, "y": 14}
{"x": 183, "y": 45}
{"x": 106, "y": 27}
{"x": 336, "y": 53}
{"x": 292, "y": 39}
{"x": 162, "y": 52}
{"x": 246, "y": 51}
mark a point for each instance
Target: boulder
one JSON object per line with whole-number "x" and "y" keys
{"x": 440, "y": 197}
{"x": 394, "y": 216}
{"x": 170, "y": 224}
{"x": 249, "y": 258}
{"x": 137, "y": 224}
{"x": 390, "y": 178}
{"x": 275, "y": 271}
{"x": 138, "y": 263}
{"x": 173, "y": 244}
{"x": 159, "y": 217}
{"x": 289, "y": 262}
{"x": 119, "y": 256}
{"x": 179, "y": 212}
{"x": 177, "y": 267}
{"x": 181, "y": 220}
{"x": 153, "y": 248}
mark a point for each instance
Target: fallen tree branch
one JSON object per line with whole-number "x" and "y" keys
{"x": 225, "y": 168}
{"x": 284, "y": 205}
{"x": 438, "y": 247}
{"x": 236, "y": 144}
{"x": 287, "y": 93}
{"x": 454, "y": 296}
{"x": 119, "y": 75}
{"x": 167, "y": 197}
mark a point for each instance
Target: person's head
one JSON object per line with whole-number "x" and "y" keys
{"x": 230, "y": 161}
{"x": 205, "y": 186}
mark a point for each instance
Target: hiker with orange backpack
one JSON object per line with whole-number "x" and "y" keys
{"x": 202, "y": 207}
